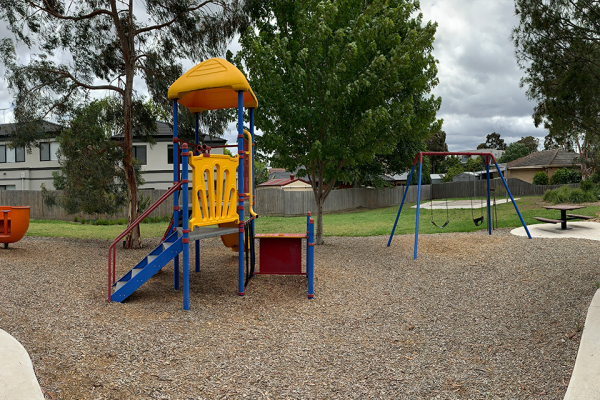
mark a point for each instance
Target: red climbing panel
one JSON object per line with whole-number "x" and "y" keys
{"x": 281, "y": 253}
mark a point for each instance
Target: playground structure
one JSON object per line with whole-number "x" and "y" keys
{"x": 211, "y": 85}
{"x": 419, "y": 159}
{"x": 14, "y": 222}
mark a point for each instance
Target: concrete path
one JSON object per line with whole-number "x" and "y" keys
{"x": 17, "y": 378}
{"x": 585, "y": 381}
{"x": 577, "y": 230}
{"x": 477, "y": 203}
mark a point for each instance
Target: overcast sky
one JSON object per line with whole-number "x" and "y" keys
{"x": 479, "y": 77}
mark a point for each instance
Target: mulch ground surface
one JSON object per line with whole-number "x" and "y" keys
{"x": 475, "y": 316}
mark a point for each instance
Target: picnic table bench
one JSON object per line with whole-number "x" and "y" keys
{"x": 564, "y": 217}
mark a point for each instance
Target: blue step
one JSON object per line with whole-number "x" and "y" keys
{"x": 145, "y": 269}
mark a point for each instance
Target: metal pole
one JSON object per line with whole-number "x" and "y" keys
{"x": 489, "y": 212}
{"x": 176, "y": 193}
{"x": 418, "y": 207}
{"x": 252, "y": 232}
{"x": 307, "y": 235}
{"x": 196, "y": 152}
{"x": 241, "y": 243}
{"x": 310, "y": 261}
{"x": 186, "y": 231}
{"x": 401, "y": 204}
{"x": 513, "y": 201}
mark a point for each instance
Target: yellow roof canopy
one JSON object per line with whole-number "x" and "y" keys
{"x": 212, "y": 85}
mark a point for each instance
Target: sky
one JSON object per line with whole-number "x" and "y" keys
{"x": 477, "y": 70}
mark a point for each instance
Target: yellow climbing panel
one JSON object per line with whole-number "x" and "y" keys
{"x": 214, "y": 193}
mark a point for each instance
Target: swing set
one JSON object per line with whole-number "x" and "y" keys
{"x": 489, "y": 157}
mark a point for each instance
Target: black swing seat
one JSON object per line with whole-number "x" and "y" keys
{"x": 441, "y": 227}
{"x": 478, "y": 221}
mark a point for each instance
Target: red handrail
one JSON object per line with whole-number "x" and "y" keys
{"x": 139, "y": 219}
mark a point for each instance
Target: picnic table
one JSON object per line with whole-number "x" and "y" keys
{"x": 564, "y": 217}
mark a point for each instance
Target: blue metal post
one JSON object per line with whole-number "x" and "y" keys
{"x": 310, "y": 259}
{"x": 307, "y": 241}
{"x": 252, "y": 232}
{"x": 186, "y": 230}
{"x": 401, "y": 204}
{"x": 176, "y": 194}
{"x": 489, "y": 211}
{"x": 512, "y": 199}
{"x": 241, "y": 243}
{"x": 196, "y": 152}
{"x": 418, "y": 206}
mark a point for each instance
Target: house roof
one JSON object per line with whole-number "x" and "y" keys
{"x": 48, "y": 127}
{"x": 545, "y": 158}
{"x": 282, "y": 182}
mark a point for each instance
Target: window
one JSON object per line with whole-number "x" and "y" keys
{"x": 7, "y": 187}
{"x": 48, "y": 151}
{"x": 170, "y": 153}
{"x": 139, "y": 153}
{"x": 11, "y": 155}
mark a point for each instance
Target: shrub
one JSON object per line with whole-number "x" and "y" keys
{"x": 566, "y": 194}
{"x": 83, "y": 220}
{"x": 76, "y": 219}
{"x": 586, "y": 185}
{"x": 101, "y": 222}
{"x": 541, "y": 178}
{"x": 122, "y": 221}
{"x": 564, "y": 176}
{"x": 595, "y": 177}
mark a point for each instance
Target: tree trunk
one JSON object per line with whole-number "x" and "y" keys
{"x": 319, "y": 230}
{"x": 133, "y": 240}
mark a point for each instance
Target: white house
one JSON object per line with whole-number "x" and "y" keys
{"x": 20, "y": 170}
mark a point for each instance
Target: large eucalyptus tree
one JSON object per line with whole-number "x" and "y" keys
{"x": 78, "y": 47}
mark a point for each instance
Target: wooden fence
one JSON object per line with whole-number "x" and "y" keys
{"x": 277, "y": 202}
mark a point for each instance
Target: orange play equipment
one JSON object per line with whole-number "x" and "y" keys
{"x": 14, "y": 222}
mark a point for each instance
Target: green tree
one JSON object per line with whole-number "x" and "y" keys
{"x": 449, "y": 162}
{"x": 261, "y": 173}
{"x": 90, "y": 175}
{"x": 452, "y": 172}
{"x": 564, "y": 176}
{"x": 104, "y": 46}
{"x": 558, "y": 45}
{"x": 436, "y": 142}
{"x": 339, "y": 82}
{"x": 532, "y": 143}
{"x": 494, "y": 141}
{"x": 514, "y": 151}
{"x": 474, "y": 164}
{"x": 541, "y": 178}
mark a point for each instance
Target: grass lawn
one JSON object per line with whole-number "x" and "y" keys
{"x": 356, "y": 223}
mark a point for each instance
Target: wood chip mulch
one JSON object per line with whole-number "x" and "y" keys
{"x": 475, "y": 316}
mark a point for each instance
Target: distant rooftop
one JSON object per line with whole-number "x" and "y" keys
{"x": 545, "y": 158}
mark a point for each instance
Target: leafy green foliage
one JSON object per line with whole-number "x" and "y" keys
{"x": 541, "y": 178}
{"x": 514, "y": 151}
{"x": 437, "y": 142}
{"x": 532, "y": 143}
{"x": 494, "y": 141}
{"x": 586, "y": 185}
{"x": 595, "y": 177}
{"x": 425, "y": 175}
{"x": 474, "y": 164}
{"x": 565, "y": 194}
{"x": 564, "y": 176}
{"x": 557, "y": 45}
{"x": 339, "y": 83}
{"x": 261, "y": 173}
{"x": 90, "y": 175}
{"x": 448, "y": 162}
{"x": 452, "y": 172}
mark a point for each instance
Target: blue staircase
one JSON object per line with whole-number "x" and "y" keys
{"x": 150, "y": 265}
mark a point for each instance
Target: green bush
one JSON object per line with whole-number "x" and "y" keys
{"x": 541, "y": 178}
{"x": 76, "y": 219}
{"x": 122, "y": 221}
{"x": 595, "y": 177}
{"x": 586, "y": 185}
{"x": 101, "y": 222}
{"x": 566, "y": 194}
{"x": 564, "y": 176}
{"x": 83, "y": 220}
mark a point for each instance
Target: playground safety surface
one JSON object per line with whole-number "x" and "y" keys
{"x": 475, "y": 316}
